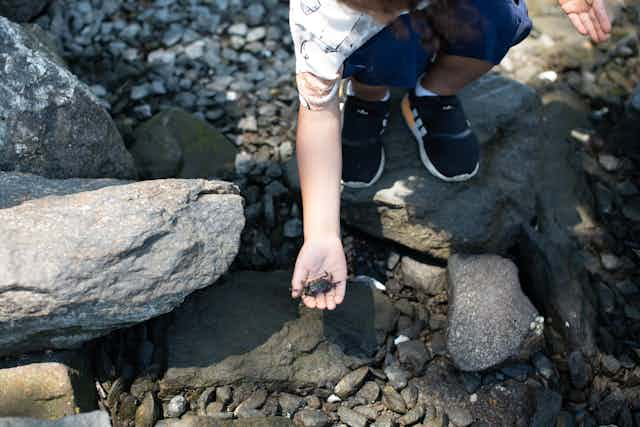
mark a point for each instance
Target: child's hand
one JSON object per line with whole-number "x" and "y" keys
{"x": 589, "y": 17}
{"x": 317, "y": 256}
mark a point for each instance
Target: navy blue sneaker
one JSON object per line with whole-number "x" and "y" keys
{"x": 448, "y": 147}
{"x": 363, "y": 157}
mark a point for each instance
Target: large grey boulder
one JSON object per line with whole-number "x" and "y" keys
{"x": 50, "y": 123}
{"x": 247, "y": 328}
{"x": 411, "y": 207}
{"x": 80, "y": 265}
{"x": 89, "y": 419}
{"x": 489, "y": 316}
{"x": 22, "y": 10}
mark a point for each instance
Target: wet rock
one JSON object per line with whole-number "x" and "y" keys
{"x": 489, "y": 315}
{"x": 44, "y": 390}
{"x": 427, "y": 278}
{"x": 495, "y": 204}
{"x": 610, "y": 364}
{"x": 609, "y": 408}
{"x": 53, "y": 125}
{"x": 175, "y": 143}
{"x": 187, "y": 224}
{"x": 543, "y": 365}
{"x": 350, "y": 383}
{"x": 281, "y": 342}
{"x": 89, "y": 419}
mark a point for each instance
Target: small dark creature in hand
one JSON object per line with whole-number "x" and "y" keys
{"x": 319, "y": 285}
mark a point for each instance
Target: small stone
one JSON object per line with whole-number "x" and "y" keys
{"x": 312, "y": 418}
{"x": 333, "y": 398}
{"x": 410, "y": 395}
{"x": 459, "y": 416}
{"x": 244, "y": 162}
{"x": 140, "y": 92}
{"x": 351, "y": 382}
{"x": 256, "y": 34}
{"x": 393, "y": 400}
{"x": 610, "y": 364}
{"x": 213, "y": 408}
{"x": 517, "y": 371}
{"x": 414, "y": 355}
{"x": 203, "y": 400}
{"x": 608, "y": 162}
{"x": 313, "y": 402}
{"x": 610, "y": 262}
{"x": 369, "y": 392}
{"x": 249, "y": 406}
{"x": 248, "y": 124}
{"x": 172, "y": 36}
{"x": 398, "y": 377}
{"x": 293, "y": 228}
{"x": 543, "y": 365}
{"x": 473, "y": 398}
{"x": 239, "y": 29}
{"x": 224, "y": 394}
{"x": 351, "y": 417}
{"x": 412, "y": 417}
{"x": 549, "y": 76}
{"x": 177, "y": 406}
{"x": 471, "y": 381}
{"x": 275, "y": 189}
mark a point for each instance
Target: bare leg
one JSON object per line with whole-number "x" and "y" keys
{"x": 449, "y": 74}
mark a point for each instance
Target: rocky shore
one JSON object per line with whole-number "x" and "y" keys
{"x": 151, "y": 215}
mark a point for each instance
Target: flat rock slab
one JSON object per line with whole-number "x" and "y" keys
{"x": 89, "y": 419}
{"x": 248, "y": 328}
{"x": 489, "y": 316}
{"x": 507, "y": 404}
{"x": 81, "y": 265}
{"x": 413, "y": 208}
{"x": 50, "y": 122}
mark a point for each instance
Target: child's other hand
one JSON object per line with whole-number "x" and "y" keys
{"x": 589, "y": 17}
{"x": 316, "y": 256}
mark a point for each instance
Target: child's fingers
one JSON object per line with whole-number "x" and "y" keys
{"x": 300, "y": 275}
{"x": 586, "y": 21}
{"x": 321, "y": 301}
{"x": 331, "y": 299}
{"x": 575, "y": 20}
{"x": 309, "y": 301}
{"x": 602, "y": 16}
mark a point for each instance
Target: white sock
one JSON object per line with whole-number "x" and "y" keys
{"x": 421, "y": 91}
{"x": 351, "y": 92}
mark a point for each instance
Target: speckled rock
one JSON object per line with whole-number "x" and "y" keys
{"x": 489, "y": 315}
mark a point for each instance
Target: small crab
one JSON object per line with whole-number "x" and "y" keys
{"x": 319, "y": 285}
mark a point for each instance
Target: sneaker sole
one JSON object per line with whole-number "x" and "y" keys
{"x": 407, "y": 115}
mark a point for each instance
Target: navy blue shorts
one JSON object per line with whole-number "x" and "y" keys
{"x": 388, "y": 59}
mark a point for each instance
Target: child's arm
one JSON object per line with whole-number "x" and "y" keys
{"x": 318, "y": 152}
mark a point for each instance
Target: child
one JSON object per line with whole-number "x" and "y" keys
{"x": 381, "y": 43}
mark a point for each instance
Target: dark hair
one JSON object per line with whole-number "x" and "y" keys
{"x": 441, "y": 23}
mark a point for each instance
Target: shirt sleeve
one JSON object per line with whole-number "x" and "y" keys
{"x": 315, "y": 92}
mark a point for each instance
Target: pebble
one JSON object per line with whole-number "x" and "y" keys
{"x": 459, "y": 416}
{"x": 312, "y": 418}
{"x": 610, "y": 365}
{"x": 549, "y": 76}
{"x": 224, "y": 394}
{"x": 543, "y": 365}
{"x": 579, "y": 370}
{"x": 397, "y": 376}
{"x": 610, "y": 262}
{"x": 414, "y": 355}
{"x": 290, "y": 403}
{"x": 256, "y": 34}
{"x": 177, "y": 406}
{"x": 609, "y": 162}
{"x": 333, "y": 398}
{"x": 412, "y": 417}
{"x": 393, "y": 400}
{"x": 351, "y": 417}
{"x": 350, "y": 383}
{"x": 369, "y": 392}
{"x": 410, "y": 395}
{"x": 248, "y": 124}
{"x": 239, "y": 29}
